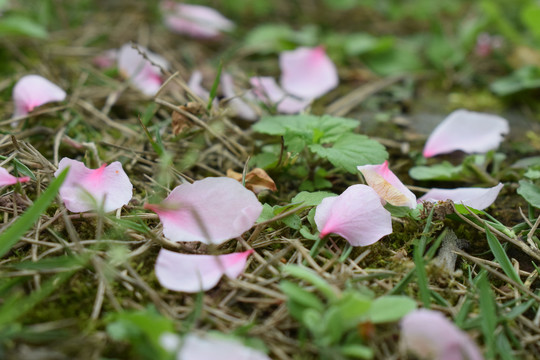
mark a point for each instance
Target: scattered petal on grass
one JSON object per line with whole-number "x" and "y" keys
{"x": 211, "y": 211}
{"x": 430, "y": 335}
{"x": 387, "y": 185}
{"x": 195, "y": 20}
{"x": 307, "y": 72}
{"x": 195, "y": 84}
{"x": 193, "y": 273}
{"x": 269, "y": 92}
{"x": 476, "y": 198}
{"x": 196, "y": 347}
{"x": 468, "y": 131}
{"x": 357, "y": 215}
{"x": 106, "y": 59}
{"x": 85, "y": 189}
{"x": 32, "y": 91}
{"x": 256, "y": 180}
{"x": 140, "y": 71}
{"x": 8, "y": 179}
{"x": 241, "y": 108}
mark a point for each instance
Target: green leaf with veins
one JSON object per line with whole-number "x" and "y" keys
{"x": 351, "y": 150}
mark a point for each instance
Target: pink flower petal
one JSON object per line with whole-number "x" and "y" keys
{"x": 85, "y": 189}
{"x": 307, "y": 72}
{"x": 195, "y": 20}
{"x": 357, "y": 215}
{"x": 268, "y": 91}
{"x": 241, "y": 108}
{"x": 196, "y": 347}
{"x": 32, "y": 91}
{"x": 476, "y": 198}
{"x": 8, "y": 179}
{"x": 195, "y": 84}
{"x": 211, "y": 211}
{"x": 429, "y": 335}
{"x": 193, "y": 273}
{"x": 142, "y": 74}
{"x": 387, "y": 185}
{"x": 468, "y": 131}
{"x": 106, "y": 59}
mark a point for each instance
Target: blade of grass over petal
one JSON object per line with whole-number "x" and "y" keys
{"x": 10, "y": 236}
{"x": 213, "y": 90}
{"x": 501, "y": 256}
{"x": 20, "y": 168}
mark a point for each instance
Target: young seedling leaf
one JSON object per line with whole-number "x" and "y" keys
{"x": 501, "y": 257}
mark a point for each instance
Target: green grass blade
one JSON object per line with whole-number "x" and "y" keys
{"x": 501, "y": 257}
{"x": 10, "y": 236}
{"x": 488, "y": 313}
{"x": 213, "y": 91}
{"x": 418, "y": 257}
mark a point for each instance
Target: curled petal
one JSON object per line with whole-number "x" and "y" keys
{"x": 430, "y": 335}
{"x": 357, "y": 215}
{"x": 241, "y": 108}
{"x": 193, "y": 273}
{"x": 267, "y": 90}
{"x": 387, "y": 185}
{"x": 141, "y": 72}
{"x": 468, "y": 131}
{"x": 476, "y": 198}
{"x": 195, "y": 20}
{"x": 307, "y": 72}
{"x": 196, "y": 347}
{"x": 32, "y": 91}
{"x": 88, "y": 189}
{"x": 211, "y": 211}
{"x": 8, "y": 179}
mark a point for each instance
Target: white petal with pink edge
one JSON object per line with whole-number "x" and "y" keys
{"x": 468, "y": 131}
{"x": 387, "y": 185}
{"x": 430, "y": 335}
{"x": 476, "y": 198}
{"x": 268, "y": 91}
{"x": 357, "y": 215}
{"x": 307, "y": 73}
{"x": 211, "y": 211}
{"x": 90, "y": 189}
{"x": 243, "y": 109}
{"x": 193, "y": 273}
{"x": 32, "y": 91}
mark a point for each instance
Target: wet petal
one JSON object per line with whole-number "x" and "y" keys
{"x": 387, "y": 185}
{"x": 307, "y": 72}
{"x": 211, "y": 211}
{"x": 430, "y": 335}
{"x": 468, "y": 131}
{"x": 357, "y": 215}
{"x": 32, "y": 91}
{"x": 197, "y": 347}
{"x": 476, "y": 198}
{"x": 7, "y": 179}
{"x": 193, "y": 273}
{"x": 195, "y": 20}
{"x": 241, "y": 108}
{"x": 85, "y": 189}
{"x": 267, "y": 90}
{"x": 142, "y": 74}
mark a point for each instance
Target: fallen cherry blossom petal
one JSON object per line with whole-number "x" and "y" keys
{"x": 357, "y": 215}
{"x": 211, "y": 211}
{"x": 7, "y": 179}
{"x": 241, "y": 108}
{"x": 269, "y": 92}
{"x": 193, "y": 273}
{"x": 196, "y": 347}
{"x": 256, "y": 180}
{"x": 195, "y": 84}
{"x": 85, "y": 189}
{"x": 476, "y": 198}
{"x": 106, "y": 59}
{"x": 195, "y": 20}
{"x": 141, "y": 72}
{"x": 468, "y": 131}
{"x": 387, "y": 185}
{"x": 430, "y": 335}
{"x": 307, "y": 72}
{"x": 32, "y": 91}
